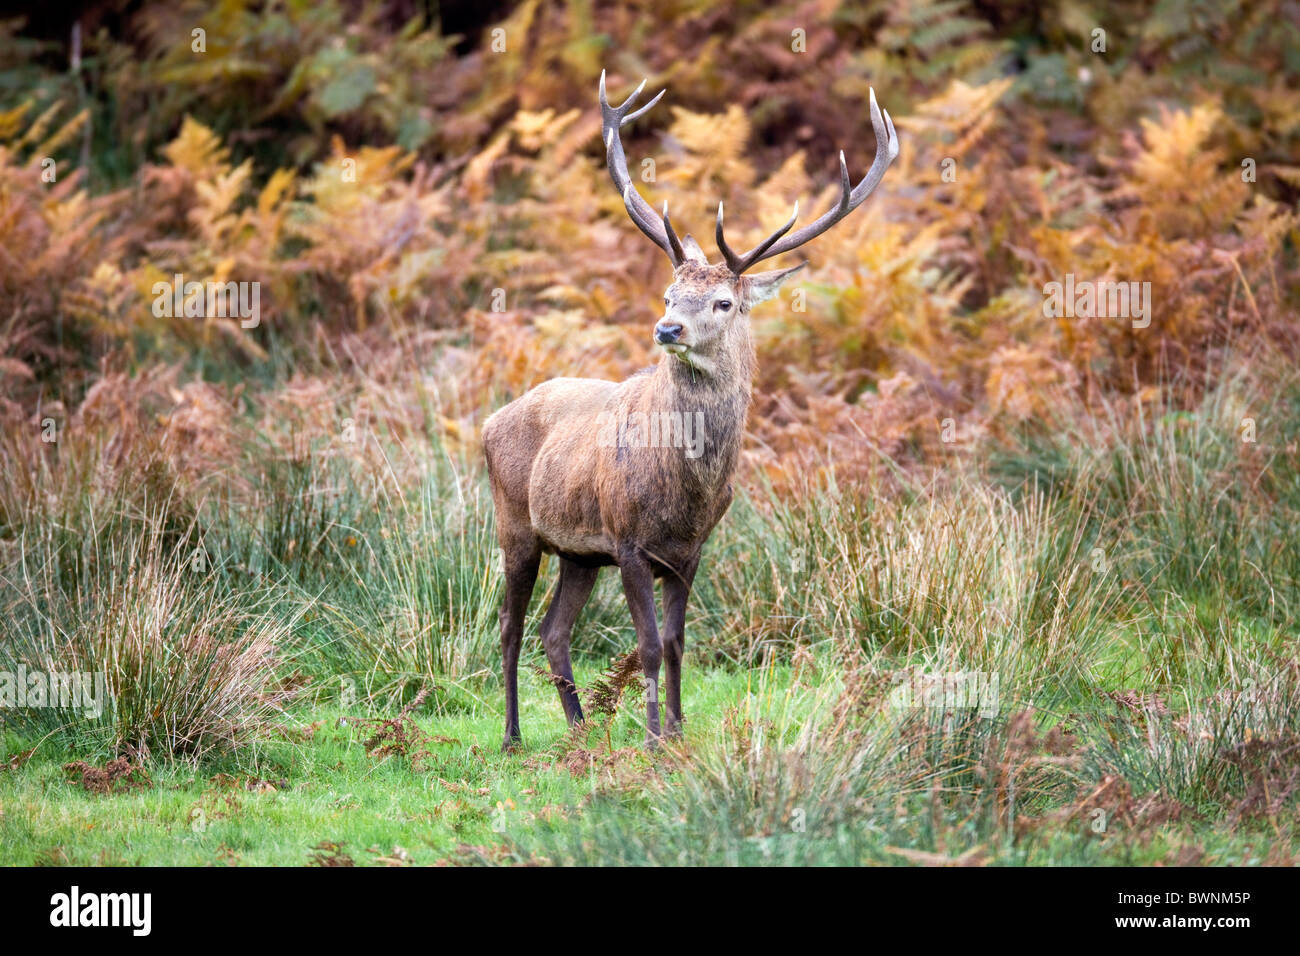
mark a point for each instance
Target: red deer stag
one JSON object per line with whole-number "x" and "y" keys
{"x": 637, "y": 474}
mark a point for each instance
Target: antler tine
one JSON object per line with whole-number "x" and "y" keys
{"x": 850, "y": 198}
{"x": 673, "y": 241}
{"x": 644, "y": 109}
{"x": 846, "y": 184}
{"x": 734, "y": 262}
{"x": 658, "y": 229}
{"x": 739, "y": 264}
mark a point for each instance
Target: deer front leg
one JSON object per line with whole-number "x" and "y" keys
{"x": 677, "y": 588}
{"x": 638, "y": 586}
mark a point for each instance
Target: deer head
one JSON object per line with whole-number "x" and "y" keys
{"x": 704, "y": 304}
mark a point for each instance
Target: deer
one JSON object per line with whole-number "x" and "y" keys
{"x": 581, "y": 468}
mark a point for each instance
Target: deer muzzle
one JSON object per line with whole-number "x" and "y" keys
{"x": 668, "y": 333}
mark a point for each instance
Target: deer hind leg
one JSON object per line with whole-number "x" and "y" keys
{"x": 521, "y": 560}
{"x": 571, "y": 595}
{"x": 677, "y": 588}
{"x": 639, "y": 588}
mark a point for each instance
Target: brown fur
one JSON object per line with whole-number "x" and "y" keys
{"x": 563, "y": 483}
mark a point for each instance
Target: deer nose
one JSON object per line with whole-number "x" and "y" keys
{"x": 666, "y": 333}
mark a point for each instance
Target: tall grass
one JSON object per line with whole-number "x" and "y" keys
{"x": 409, "y": 594}
{"x": 107, "y": 576}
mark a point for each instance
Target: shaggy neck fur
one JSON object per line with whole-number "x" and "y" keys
{"x": 719, "y": 387}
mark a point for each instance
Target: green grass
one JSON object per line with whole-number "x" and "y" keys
{"x": 327, "y": 789}
{"x": 748, "y": 788}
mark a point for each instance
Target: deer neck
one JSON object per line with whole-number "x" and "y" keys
{"x": 729, "y": 366}
{"x": 713, "y": 394}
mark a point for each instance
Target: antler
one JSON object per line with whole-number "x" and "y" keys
{"x": 850, "y": 199}
{"x": 658, "y": 227}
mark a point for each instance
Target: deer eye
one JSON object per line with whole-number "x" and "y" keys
{"x": 723, "y": 306}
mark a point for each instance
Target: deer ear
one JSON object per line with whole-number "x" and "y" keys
{"x": 762, "y": 286}
{"x": 693, "y": 251}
